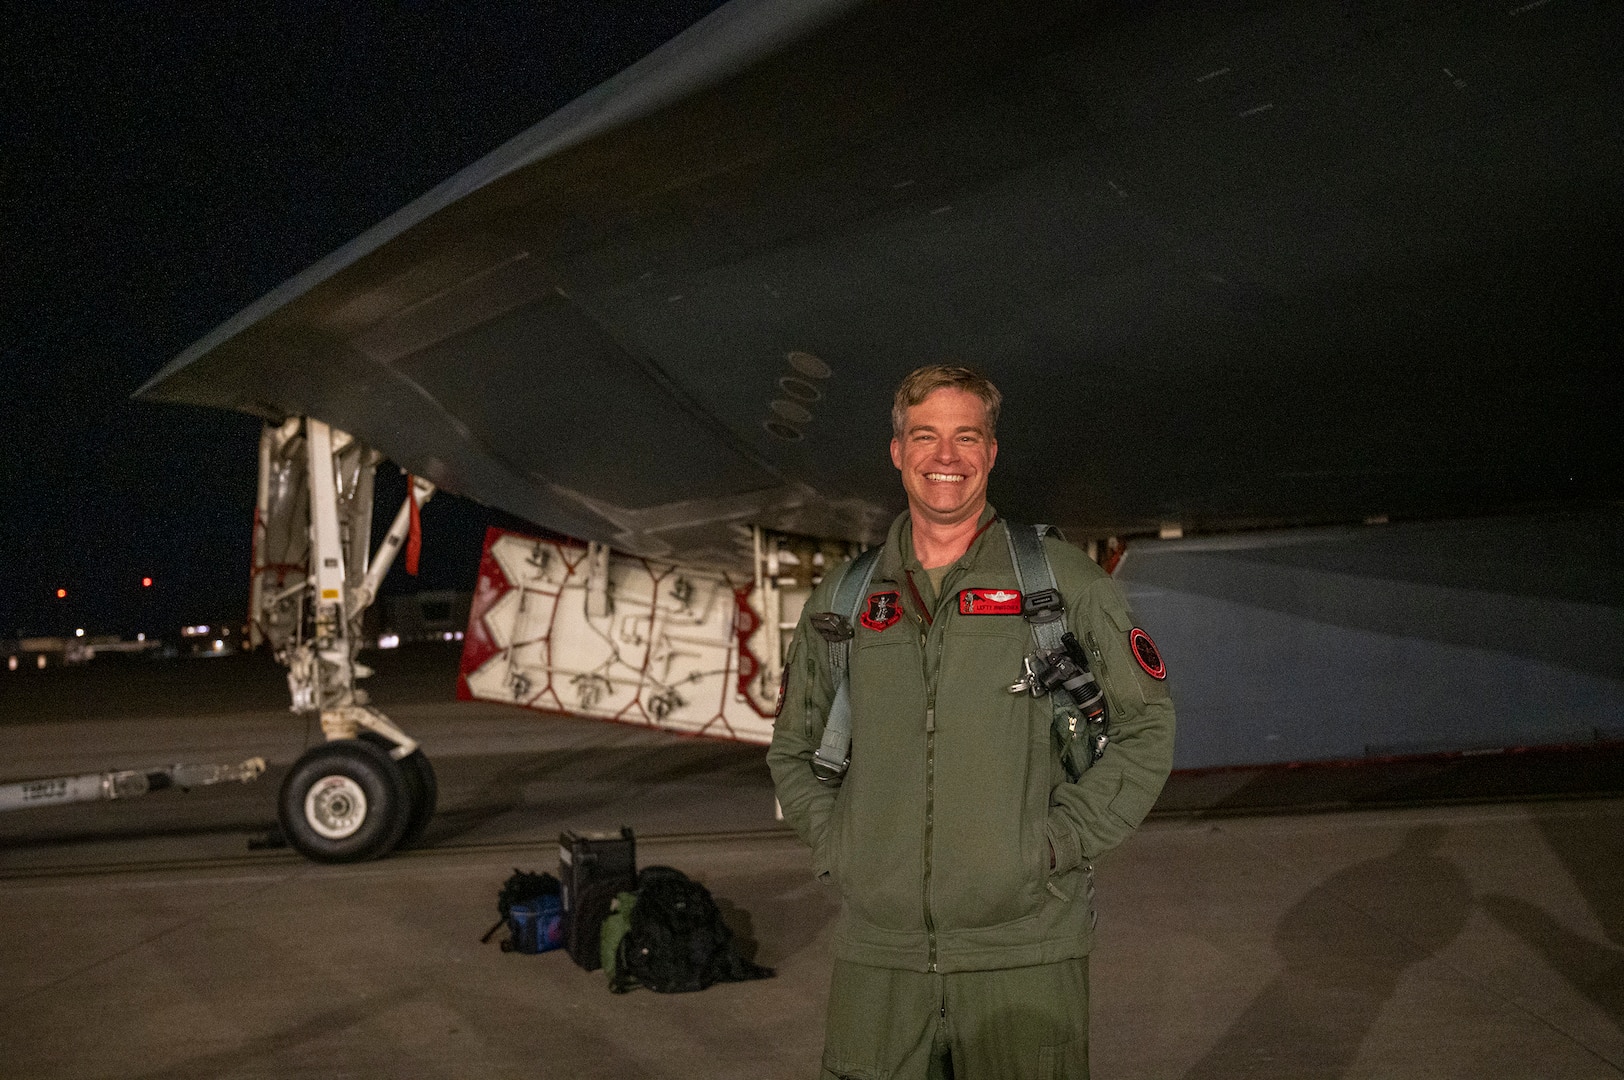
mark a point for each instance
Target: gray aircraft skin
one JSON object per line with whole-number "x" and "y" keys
{"x": 1234, "y": 266}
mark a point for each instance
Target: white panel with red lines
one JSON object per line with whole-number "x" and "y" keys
{"x": 677, "y": 648}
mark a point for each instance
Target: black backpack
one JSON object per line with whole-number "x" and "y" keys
{"x": 676, "y": 940}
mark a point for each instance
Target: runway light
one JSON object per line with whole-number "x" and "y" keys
{"x": 39, "y": 661}
{"x": 140, "y": 637}
{"x": 388, "y": 641}
{"x": 446, "y": 636}
{"x": 61, "y": 594}
{"x": 146, "y": 583}
{"x": 458, "y": 635}
{"x": 12, "y": 663}
{"x": 218, "y": 645}
{"x": 79, "y": 632}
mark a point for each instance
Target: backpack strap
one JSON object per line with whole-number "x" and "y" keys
{"x": 834, "y": 753}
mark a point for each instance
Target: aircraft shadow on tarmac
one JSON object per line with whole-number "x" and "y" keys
{"x": 1408, "y": 906}
{"x": 1312, "y": 1019}
{"x": 1595, "y": 969}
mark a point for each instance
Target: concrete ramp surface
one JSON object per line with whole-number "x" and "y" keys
{"x": 1241, "y": 935}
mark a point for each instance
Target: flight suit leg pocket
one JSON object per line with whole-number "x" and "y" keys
{"x": 840, "y": 1070}
{"x": 1063, "y": 1061}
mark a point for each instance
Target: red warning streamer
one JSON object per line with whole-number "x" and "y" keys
{"x": 414, "y": 536}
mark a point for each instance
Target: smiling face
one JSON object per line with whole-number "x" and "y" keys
{"x": 944, "y": 454}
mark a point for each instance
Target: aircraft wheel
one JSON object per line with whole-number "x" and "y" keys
{"x": 422, "y": 789}
{"x": 344, "y": 801}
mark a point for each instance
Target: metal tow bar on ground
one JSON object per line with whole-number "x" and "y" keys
{"x": 123, "y": 783}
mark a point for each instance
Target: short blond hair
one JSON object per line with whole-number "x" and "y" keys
{"x": 922, "y": 382}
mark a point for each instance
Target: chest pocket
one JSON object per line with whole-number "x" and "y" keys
{"x": 887, "y": 678}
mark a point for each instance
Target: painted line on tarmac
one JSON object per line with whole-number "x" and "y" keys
{"x": 1403, "y": 816}
{"x": 1359, "y": 806}
{"x": 289, "y": 857}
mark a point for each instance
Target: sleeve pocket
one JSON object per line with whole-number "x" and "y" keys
{"x": 1132, "y": 802}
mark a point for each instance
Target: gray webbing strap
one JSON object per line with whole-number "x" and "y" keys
{"x": 1040, "y": 597}
{"x": 1044, "y": 611}
{"x": 834, "y": 754}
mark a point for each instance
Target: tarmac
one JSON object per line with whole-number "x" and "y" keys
{"x": 1441, "y": 919}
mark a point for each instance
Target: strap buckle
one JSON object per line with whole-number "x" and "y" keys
{"x": 834, "y": 626}
{"x": 826, "y": 772}
{"x": 1043, "y": 606}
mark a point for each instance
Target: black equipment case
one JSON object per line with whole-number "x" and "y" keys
{"x": 593, "y": 868}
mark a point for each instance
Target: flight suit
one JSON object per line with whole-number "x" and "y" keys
{"x": 960, "y": 849}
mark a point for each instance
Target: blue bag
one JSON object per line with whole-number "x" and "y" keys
{"x": 536, "y": 925}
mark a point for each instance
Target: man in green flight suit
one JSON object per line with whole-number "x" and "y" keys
{"x": 961, "y": 847}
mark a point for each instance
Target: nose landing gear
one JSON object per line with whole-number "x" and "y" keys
{"x": 368, "y": 789}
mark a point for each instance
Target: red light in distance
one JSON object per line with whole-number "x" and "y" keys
{"x": 61, "y": 594}
{"x": 146, "y": 583}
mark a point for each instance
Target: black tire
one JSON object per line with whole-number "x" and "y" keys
{"x": 344, "y": 801}
{"x": 422, "y": 789}
{"x": 425, "y": 793}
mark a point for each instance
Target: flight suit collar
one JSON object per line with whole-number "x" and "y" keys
{"x": 899, "y": 557}
{"x": 899, "y": 543}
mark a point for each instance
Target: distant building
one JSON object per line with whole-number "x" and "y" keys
{"x": 436, "y": 615}
{"x": 18, "y": 654}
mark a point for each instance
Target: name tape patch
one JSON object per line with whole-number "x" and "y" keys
{"x": 883, "y": 610}
{"x": 989, "y": 602}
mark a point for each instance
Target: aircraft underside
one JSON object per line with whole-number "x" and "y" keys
{"x": 1235, "y": 267}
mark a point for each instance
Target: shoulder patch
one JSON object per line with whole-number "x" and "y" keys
{"x": 1145, "y": 651}
{"x": 882, "y": 610}
{"x": 989, "y": 602}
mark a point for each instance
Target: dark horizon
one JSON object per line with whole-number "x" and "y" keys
{"x": 165, "y": 169}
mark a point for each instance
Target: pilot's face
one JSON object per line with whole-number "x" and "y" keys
{"x": 944, "y": 455}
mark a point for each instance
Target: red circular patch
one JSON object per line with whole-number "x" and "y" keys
{"x": 1144, "y": 651}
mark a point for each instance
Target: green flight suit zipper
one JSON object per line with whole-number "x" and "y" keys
{"x": 928, "y": 629}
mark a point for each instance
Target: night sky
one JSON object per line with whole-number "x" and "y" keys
{"x": 162, "y": 167}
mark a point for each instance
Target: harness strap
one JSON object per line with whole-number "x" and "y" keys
{"x": 1044, "y": 610}
{"x": 834, "y": 753}
{"x": 1041, "y": 604}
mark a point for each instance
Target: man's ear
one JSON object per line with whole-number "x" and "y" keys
{"x": 896, "y": 453}
{"x": 992, "y": 454}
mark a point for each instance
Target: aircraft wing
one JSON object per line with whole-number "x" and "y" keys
{"x": 1232, "y": 264}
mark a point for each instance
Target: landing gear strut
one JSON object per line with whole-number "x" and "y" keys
{"x": 369, "y": 788}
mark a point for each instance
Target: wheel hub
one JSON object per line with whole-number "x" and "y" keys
{"x": 335, "y": 807}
